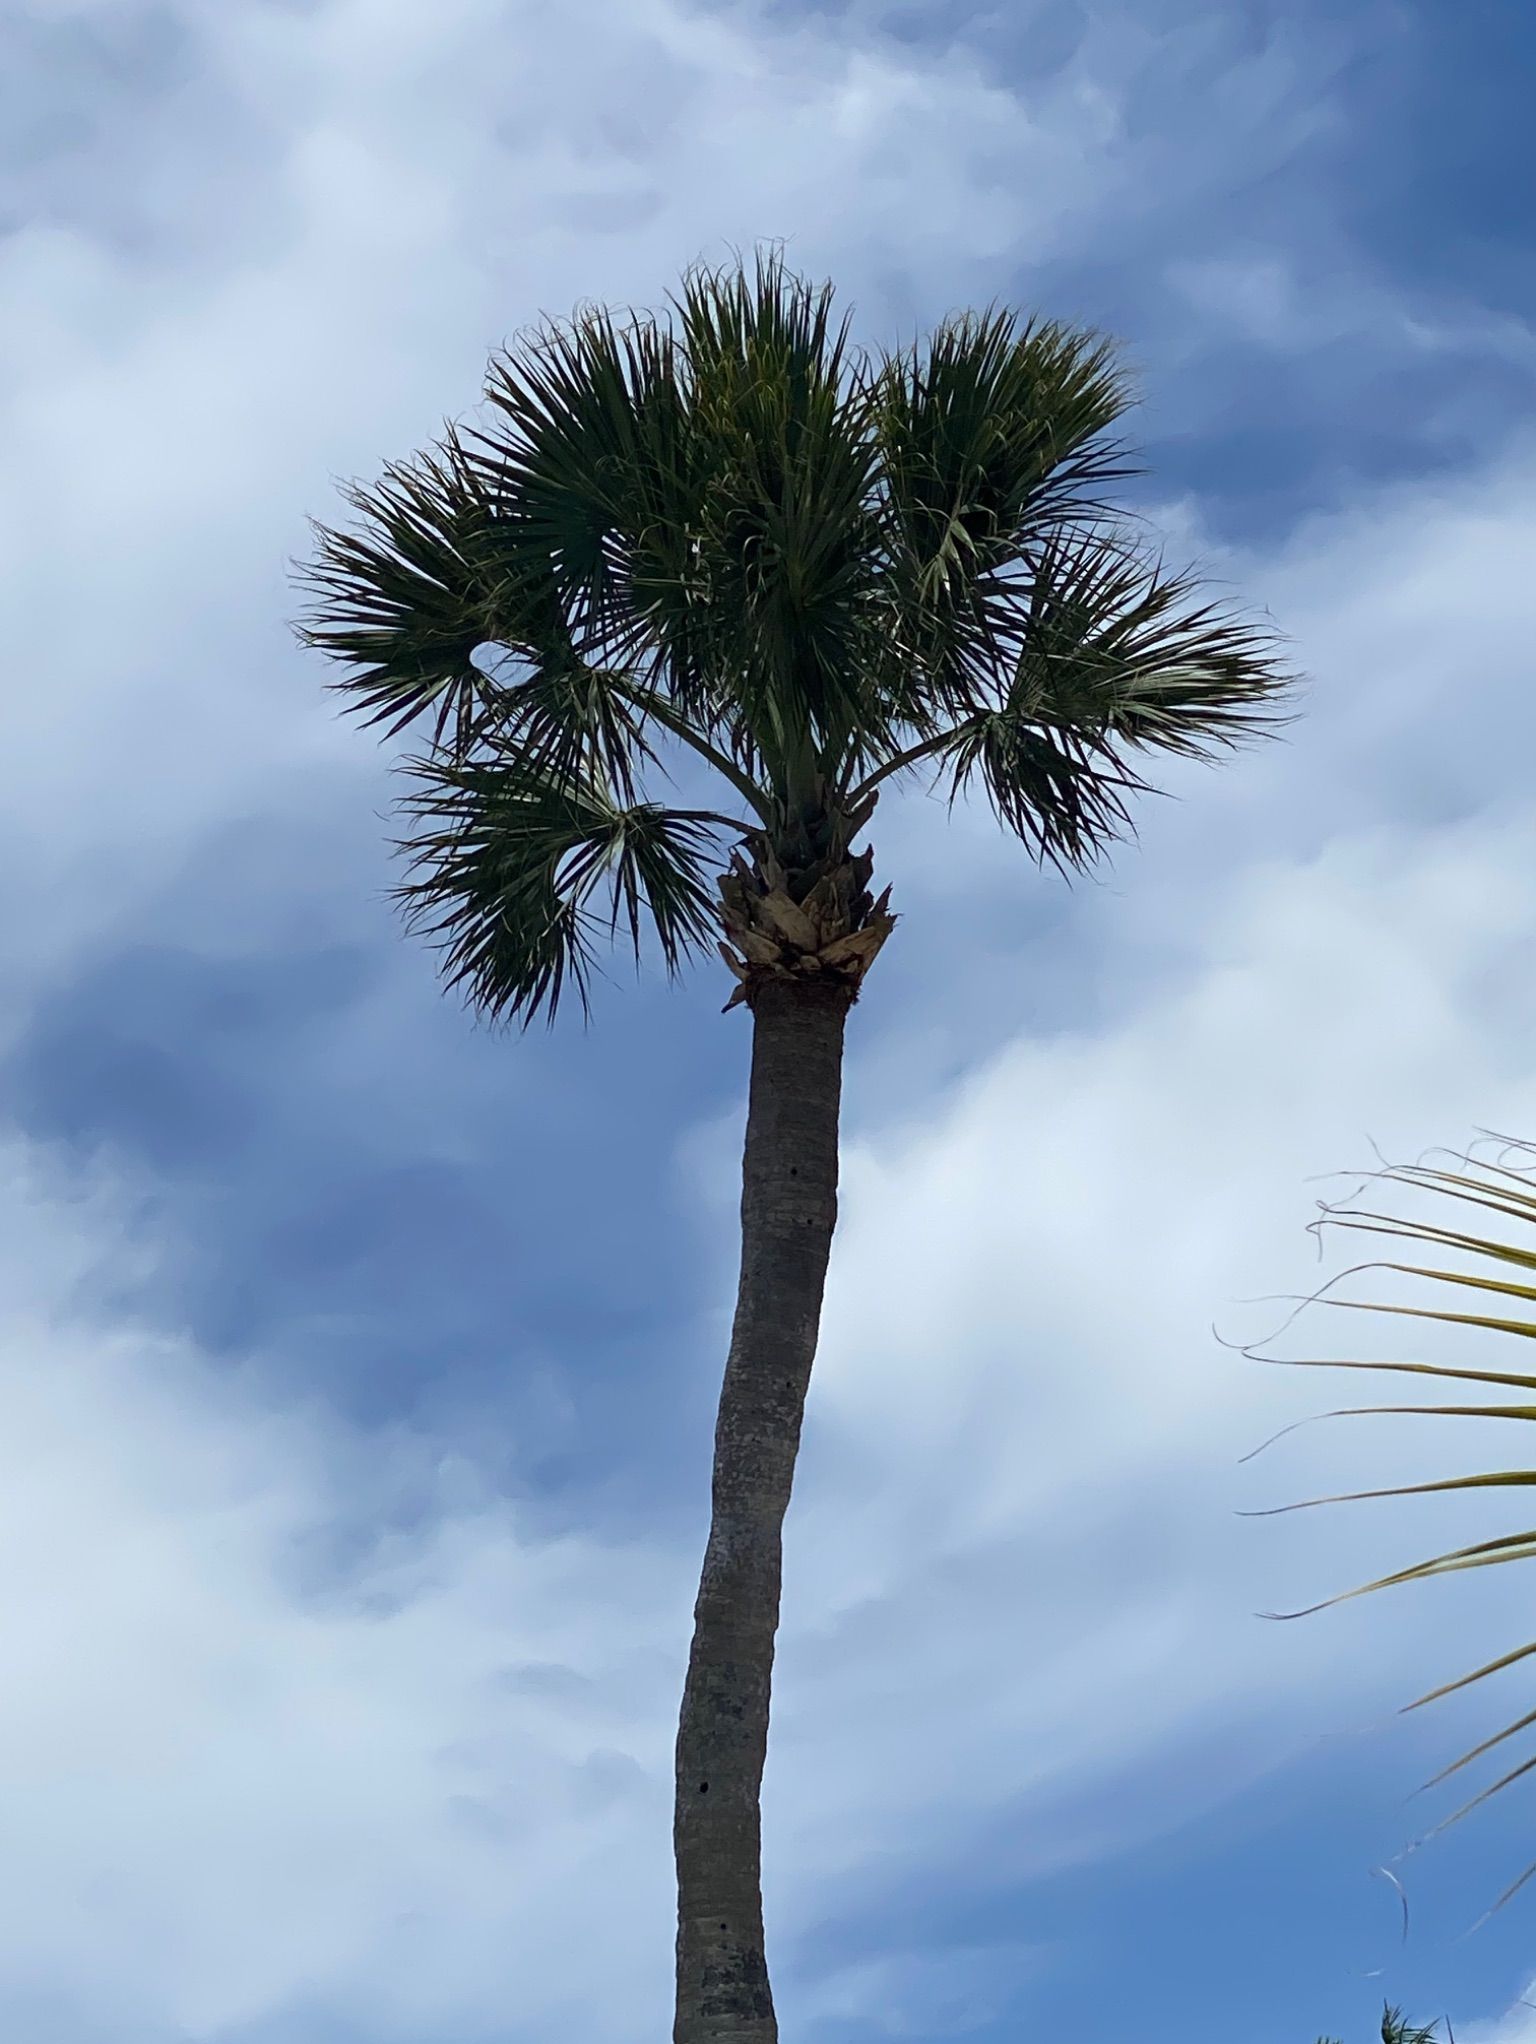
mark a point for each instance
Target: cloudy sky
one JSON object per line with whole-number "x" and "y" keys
{"x": 359, "y": 1365}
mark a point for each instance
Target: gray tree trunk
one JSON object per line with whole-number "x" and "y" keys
{"x": 788, "y": 1212}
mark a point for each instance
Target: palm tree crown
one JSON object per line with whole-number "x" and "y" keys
{"x": 726, "y": 532}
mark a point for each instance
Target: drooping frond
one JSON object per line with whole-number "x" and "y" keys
{"x": 1498, "y": 1270}
{"x": 1110, "y": 638}
{"x": 518, "y": 874}
{"x": 1102, "y": 657}
{"x": 567, "y": 722}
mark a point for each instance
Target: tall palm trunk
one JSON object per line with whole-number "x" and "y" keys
{"x": 788, "y": 1212}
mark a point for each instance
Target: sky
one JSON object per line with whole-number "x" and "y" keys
{"x": 359, "y": 1363}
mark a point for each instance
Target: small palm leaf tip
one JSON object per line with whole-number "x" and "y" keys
{"x": 1396, "y": 2029}
{"x": 725, "y": 536}
{"x": 1486, "y": 1289}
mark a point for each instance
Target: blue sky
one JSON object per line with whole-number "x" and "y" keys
{"x": 360, "y": 1364}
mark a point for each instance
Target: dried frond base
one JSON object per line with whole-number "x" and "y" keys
{"x": 818, "y": 924}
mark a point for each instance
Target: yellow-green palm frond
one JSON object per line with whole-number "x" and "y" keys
{"x": 1467, "y": 1246}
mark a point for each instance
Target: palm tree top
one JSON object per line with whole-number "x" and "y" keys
{"x": 726, "y": 532}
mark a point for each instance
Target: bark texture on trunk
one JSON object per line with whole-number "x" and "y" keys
{"x": 788, "y": 1212}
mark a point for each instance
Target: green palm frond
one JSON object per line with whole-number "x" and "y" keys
{"x": 794, "y": 582}
{"x": 1498, "y": 1268}
{"x": 406, "y": 602}
{"x": 993, "y": 436}
{"x": 725, "y": 529}
{"x": 1112, "y": 657}
{"x": 991, "y": 433}
{"x": 589, "y": 444}
{"x": 1396, "y": 2029}
{"x": 517, "y": 875}
{"x": 568, "y": 721}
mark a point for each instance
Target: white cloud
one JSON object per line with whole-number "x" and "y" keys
{"x": 242, "y": 1780}
{"x": 949, "y": 1993}
{"x": 1263, "y": 295}
{"x": 1024, "y": 1441}
{"x": 1516, "y": 2026}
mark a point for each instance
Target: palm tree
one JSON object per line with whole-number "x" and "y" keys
{"x": 725, "y": 540}
{"x": 1484, "y": 1270}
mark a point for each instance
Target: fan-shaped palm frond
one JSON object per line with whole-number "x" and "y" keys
{"x": 1112, "y": 657}
{"x": 1491, "y": 1269}
{"x": 726, "y": 530}
{"x": 521, "y": 873}
{"x": 405, "y": 602}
